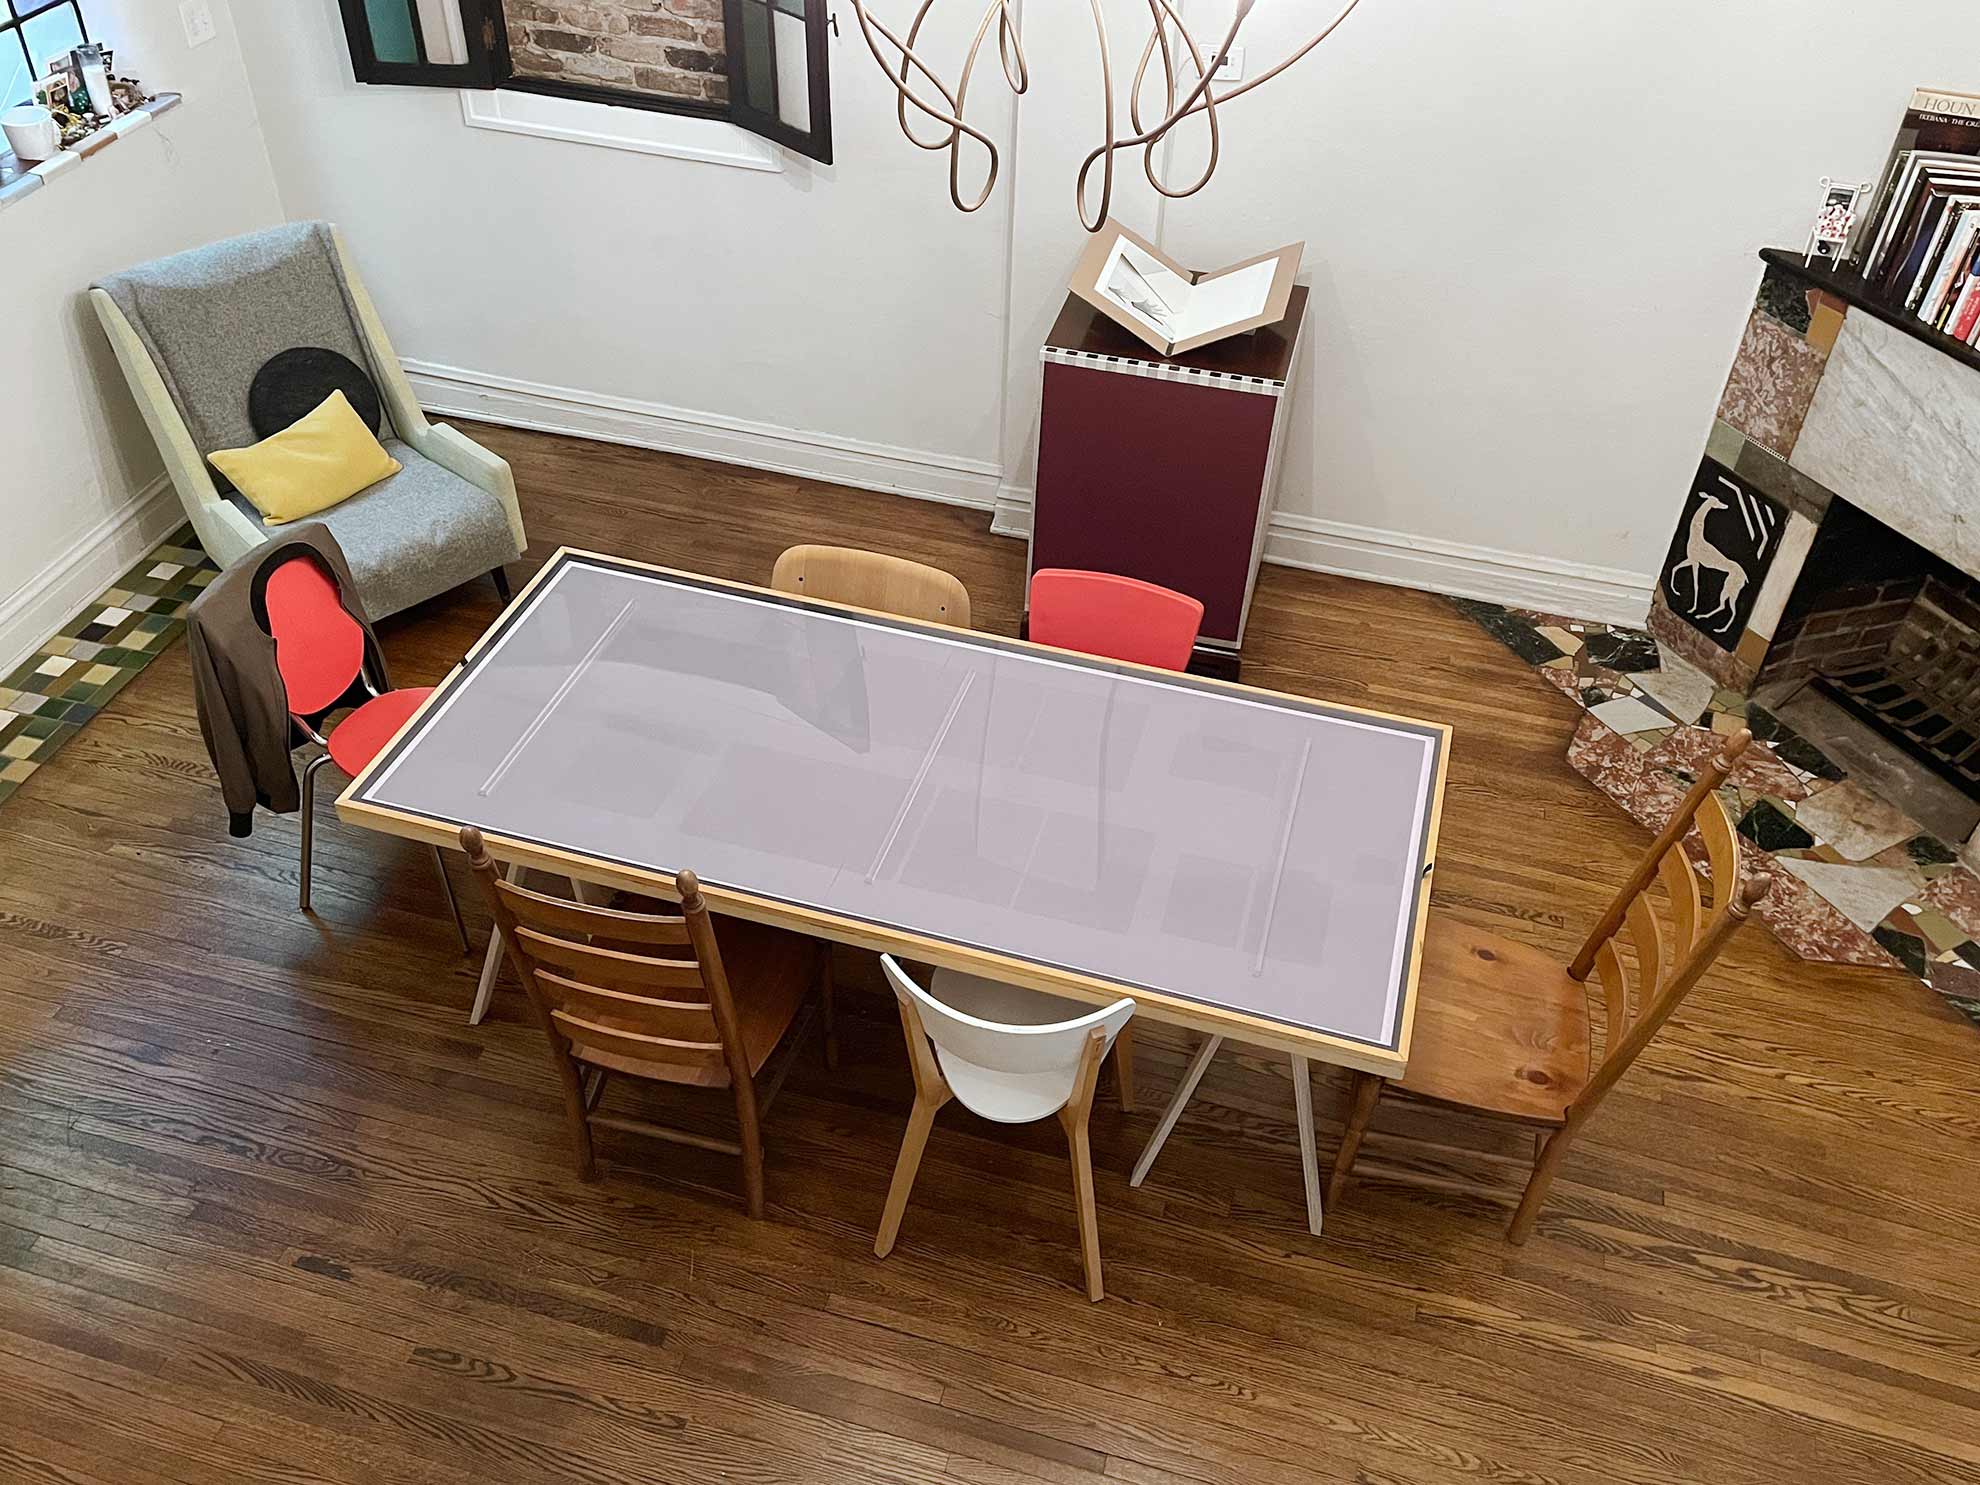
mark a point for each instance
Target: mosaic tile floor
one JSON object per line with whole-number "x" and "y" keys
{"x": 1855, "y": 881}
{"x": 48, "y": 697}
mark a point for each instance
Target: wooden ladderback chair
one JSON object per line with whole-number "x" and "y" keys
{"x": 1503, "y": 1030}
{"x": 650, "y": 996}
{"x": 1644, "y": 961}
{"x": 888, "y": 585}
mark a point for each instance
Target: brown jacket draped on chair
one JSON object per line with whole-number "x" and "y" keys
{"x": 243, "y": 705}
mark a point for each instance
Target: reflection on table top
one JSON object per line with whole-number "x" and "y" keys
{"x": 1226, "y": 847}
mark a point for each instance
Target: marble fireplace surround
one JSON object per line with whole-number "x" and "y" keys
{"x": 1826, "y": 398}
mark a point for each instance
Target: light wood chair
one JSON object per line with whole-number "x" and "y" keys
{"x": 1501, "y": 1029}
{"x": 1009, "y": 1054}
{"x": 707, "y": 1015}
{"x": 888, "y": 585}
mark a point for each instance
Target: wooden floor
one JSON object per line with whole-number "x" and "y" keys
{"x": 270, "y": 1211}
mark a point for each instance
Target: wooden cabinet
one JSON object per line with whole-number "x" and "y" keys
{"x": 1163, "y": 468}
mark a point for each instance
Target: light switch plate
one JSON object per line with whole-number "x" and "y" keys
{"x": 197, "y": 17}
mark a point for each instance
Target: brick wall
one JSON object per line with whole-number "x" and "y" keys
{"x": 1850, "y": 628}
{"x": 666, "y": 48}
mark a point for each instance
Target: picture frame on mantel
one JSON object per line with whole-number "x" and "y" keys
{"x": 1175, "y": 309}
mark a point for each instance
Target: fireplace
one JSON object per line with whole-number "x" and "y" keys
{"x": 1825, "y": 563}
{"x": 1890, "y": 633}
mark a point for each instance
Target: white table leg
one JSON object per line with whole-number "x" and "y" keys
{"x": 1185, "y": 1090}
{"x": 491, "y": 964}
{"x": 1309, "y": 1157}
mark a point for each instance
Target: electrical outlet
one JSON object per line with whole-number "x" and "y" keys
{"x": 1231, "y": 69}
{"x": 197, "y": 17}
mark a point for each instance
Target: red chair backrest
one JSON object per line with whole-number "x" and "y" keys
{"x": 1123, "y": 618}
{"x": 319, "y": 649}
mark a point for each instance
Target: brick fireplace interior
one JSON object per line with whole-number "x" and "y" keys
{"x": 1878, "y": 653}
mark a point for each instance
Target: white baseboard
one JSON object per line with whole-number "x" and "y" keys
{"x": 92, "y": 563}
{"x": 919, "y": 473}
{"x": 1515, "y": 579}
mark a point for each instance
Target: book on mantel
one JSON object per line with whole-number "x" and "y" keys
{"x": 1919, "y": 246}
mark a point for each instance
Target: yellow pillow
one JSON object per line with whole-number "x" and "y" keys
{"x": 321, "y": 458}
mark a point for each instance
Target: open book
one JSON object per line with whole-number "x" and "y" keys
{"x": 1174, "y": 308}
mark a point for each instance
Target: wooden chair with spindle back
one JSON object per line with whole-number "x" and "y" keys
{"x": 1501, "y": 1029}
{"x": 668, "y": 999}
{"x": 888, "y": 585}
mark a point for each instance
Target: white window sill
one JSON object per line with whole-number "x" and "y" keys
{"x": 579, "y": 121}
{"x": 17, "y": 184}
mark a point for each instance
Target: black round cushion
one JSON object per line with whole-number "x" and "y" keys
{"x": 293, "y": 384}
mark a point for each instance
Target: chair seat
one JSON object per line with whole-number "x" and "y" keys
{"x": 418, "y": 533}
{"x": 362, "y": 735}
{"x": 770, "y": 971}
{"x": 1500, "y": 1027}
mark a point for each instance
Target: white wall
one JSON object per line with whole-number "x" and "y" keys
{"x": 1530, "y": 232}
{"x": 74, "y": 455}
{"x": 834, "y": 301}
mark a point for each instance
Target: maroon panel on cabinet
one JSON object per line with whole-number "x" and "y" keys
{"x": 1157, "y": 480}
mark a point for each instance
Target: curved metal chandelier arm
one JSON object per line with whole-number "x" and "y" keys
{"x": 1179, "y": 102}
{"x": 1107, "y": 175}
{"x": 1150, "y": 136}
{"x": 908, "y": 55}
{"x": 953, "y": 121}
{"x": 1161, "y": 13}
{"x": 1271, "y": 72}
{"x": 1000, "y": 11}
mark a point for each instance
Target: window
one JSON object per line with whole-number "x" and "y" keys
{"x": 759, "y": 63}
{"x": 34, "y": 33}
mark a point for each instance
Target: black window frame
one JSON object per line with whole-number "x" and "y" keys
{"x": 482, "y": 23}
{"x": 817, "y": 20}
{"x": 14, "y": 16}
{"x": 489, "y": 66}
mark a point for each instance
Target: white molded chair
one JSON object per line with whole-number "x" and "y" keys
{"x": 1010, "y": 1054}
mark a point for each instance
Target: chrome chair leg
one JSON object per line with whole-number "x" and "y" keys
{"x": 453, "y": 903}
{"x": 309, "y": 822}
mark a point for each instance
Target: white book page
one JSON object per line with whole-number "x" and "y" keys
{"x": 1141, "y": 285}
{"x": 1227, "y": 299}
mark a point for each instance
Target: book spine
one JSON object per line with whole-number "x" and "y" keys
{"x": 1938, "y": 103}
{"x": 1966, "y": 311}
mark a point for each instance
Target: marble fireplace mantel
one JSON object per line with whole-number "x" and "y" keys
{"x": 1894, "y": 428}
{"x": 1832, "y": 394}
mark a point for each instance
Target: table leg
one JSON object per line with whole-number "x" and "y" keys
{"x": 1185, "y": 1090}
{"x": 1309, "y": 1156}
{"x": 491, "y": 964}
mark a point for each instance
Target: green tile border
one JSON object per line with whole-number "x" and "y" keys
{"x": 40, "y": 709}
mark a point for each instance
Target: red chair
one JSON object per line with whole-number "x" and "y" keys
{"x": 1122, "y": 618}
{"x": 319, "y": 650}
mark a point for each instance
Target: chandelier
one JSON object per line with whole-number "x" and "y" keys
{"x": 1185, "y": 71}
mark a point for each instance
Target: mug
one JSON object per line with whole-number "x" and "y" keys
{"x": 31, "y": 133}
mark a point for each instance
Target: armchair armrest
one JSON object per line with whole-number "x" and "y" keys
{"x": 453, "y": 450}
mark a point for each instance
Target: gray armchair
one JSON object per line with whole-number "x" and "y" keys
{"x": 191, "y": 330}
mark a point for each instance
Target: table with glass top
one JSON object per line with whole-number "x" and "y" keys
{"x": 1240, "y": 862}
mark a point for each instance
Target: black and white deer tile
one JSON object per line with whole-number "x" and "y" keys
{"x": 1720, "y": 553}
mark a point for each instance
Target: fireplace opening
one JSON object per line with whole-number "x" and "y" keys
{"x": 1882, "y": 630}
